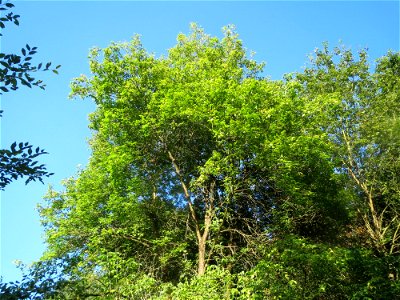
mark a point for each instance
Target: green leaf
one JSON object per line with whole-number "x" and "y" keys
{"x": 26, "y": 83}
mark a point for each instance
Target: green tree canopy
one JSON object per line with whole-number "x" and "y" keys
{"x": 210, "y": 181}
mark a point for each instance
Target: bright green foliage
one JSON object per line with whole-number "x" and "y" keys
{"x": 203, "y": 127}
{"x": 294, "y": 268}
{"x": 181, "y": 118}
{"x": 209, "y": 181}
{"x": 215, "y": 284}
{"x": 364, "y": 126}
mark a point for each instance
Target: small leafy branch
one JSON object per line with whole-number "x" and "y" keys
{"x": 18, "y": 161}
{"x": 17, "y": 69}
{"x": 9, "y": 17}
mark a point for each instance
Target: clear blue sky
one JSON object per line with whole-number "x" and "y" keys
{"x": 281, "y": 33}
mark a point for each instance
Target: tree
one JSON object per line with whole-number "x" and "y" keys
{"x": 15, "y": 70}
{"x": 203, "y": 136}
{"x": 162, "y": 106}
{"x": 365, "y": 129}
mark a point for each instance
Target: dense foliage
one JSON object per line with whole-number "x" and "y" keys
{"x": 209, "y": 181}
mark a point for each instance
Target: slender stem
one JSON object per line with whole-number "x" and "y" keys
{"x": 187, "y": 195}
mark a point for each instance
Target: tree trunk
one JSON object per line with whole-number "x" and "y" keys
{"x": 202, "y": 257}
{"x": 209, "y": 213}
{"x": 209, "y": 201}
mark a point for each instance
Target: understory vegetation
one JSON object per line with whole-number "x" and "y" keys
{"x": 208, "y": 180}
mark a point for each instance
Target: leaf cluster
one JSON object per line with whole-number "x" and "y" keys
{"x": 18, "y": 69}
{"x": 19, "y": 161}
